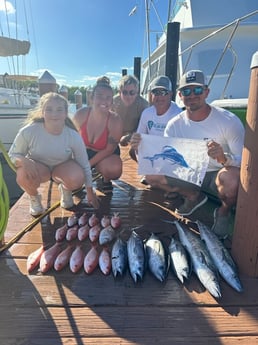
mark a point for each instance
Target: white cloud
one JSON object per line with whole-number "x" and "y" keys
{"x": 6, "y": 6}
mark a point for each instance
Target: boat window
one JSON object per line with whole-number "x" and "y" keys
{"x": 208, "y": 60}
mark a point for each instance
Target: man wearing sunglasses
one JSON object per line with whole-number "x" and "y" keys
{"x": 224, "y": 134}
{"x": 129, "y": 105}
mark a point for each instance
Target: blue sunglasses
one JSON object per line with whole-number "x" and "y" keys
{"x": 187, "y": 91}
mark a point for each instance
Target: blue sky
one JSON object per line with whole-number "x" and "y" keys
{"x": 80, "y": 40}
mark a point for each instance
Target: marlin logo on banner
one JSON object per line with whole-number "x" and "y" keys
{"x": 185, "y": 159}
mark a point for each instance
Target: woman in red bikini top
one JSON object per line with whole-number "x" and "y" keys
{"x": 101, "y": 130}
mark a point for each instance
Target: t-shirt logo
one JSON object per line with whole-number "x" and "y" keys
{"x": 150, "y": 124}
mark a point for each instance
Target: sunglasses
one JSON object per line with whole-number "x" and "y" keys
{"x": 159, "y": 92}
{"x": 197, "y": 90}
{"x": 131, "y": 92}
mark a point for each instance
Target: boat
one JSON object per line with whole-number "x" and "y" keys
{"x": 218, "y": 38}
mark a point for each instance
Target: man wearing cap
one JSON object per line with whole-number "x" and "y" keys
{"x": 224, "y": 134}
{"x": 154, "y": 119}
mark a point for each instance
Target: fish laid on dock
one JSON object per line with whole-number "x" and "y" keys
{"x": 221, "y": 257}
{"x": 136, "y": 256}
{"x": 158, "y": 260}
{"x": 48, "y": 258}
{"x": 63, "y": 258}
{"x": 119, "y": 257}
{"x": 91, "y": 259}
{"x": 105, "y": 261}
{"x": 203, "y": 265}
{"x": 76, "y": 259}
{"x": 178, "y": 259}
{"x": 83, "y": 232}
{"x": 106, "y": 235}
{"x": 34, "y": 258}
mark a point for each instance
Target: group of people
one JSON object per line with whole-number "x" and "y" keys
{"x": 53, "y": 146}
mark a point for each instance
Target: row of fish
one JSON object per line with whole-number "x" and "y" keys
{"x": 89, "y": 226}
{"x": 74, "y": 256}
{"x": 203, "y": 253}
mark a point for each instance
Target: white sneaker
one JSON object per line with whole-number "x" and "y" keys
{"x": 36, "y": 208}
{"x": 66, "y": 197}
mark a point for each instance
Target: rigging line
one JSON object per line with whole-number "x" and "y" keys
{"x": 9, "y": 35}
{"x": 33, "y": 33}
{"x": 158, "y": 17}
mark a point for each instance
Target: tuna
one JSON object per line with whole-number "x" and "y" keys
{"x": 203, "y": 265}
{"x": 34, "y": 259}
{"x": 221, "y": 257}
{"x": 157, "y": 259}
{"x": 179, "y": 260}
{"x": 119, "y": 257}
{"x": 136, "y": 256}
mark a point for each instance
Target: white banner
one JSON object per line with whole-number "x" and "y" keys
{"x": 184, "y": 159}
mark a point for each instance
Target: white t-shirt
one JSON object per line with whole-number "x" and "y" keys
{"x": 151, "y": 123}
{"x": 222, "y": 126}
{"x": 34, "y": 142}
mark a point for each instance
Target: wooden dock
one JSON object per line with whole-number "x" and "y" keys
{"x": 76, "y": 309}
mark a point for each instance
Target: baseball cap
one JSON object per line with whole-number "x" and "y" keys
{"x": 161, "y": 82}
{"x": 193, "y": 77}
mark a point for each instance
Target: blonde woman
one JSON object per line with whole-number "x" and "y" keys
{"x": 49, "y": 147}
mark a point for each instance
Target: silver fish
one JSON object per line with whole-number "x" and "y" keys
{"x": 136, "y": 256}
{"x": 157, "y": 259}
{"x": 106, "y": 235}
{"x": 221, "y": 257}
{"x": 179, "y": 260}
{"x": 203, "y": 265}
{"x": 119, "y": 257}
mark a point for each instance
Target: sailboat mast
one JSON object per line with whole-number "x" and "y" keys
{"x": 147, "y": 8}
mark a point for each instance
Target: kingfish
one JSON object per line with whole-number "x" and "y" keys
{"x": 119, "y": 257}
{"x": 179, "y": 260}
{"x": 136, "y": 256}
{"x": 158, "y": 260}
{"x": 203, "y": 265}
{"x": 221, "y": 257}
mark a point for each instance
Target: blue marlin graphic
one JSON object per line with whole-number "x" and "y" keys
{"x": 169, "y": 153}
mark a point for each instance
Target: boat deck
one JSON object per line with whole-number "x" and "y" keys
{"x": 76, "y": 308}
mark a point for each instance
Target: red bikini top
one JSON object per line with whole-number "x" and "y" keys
{"x": 101, "y": 141}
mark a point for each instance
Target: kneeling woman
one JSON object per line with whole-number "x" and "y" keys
{"x": 49, "y": 147}
{"x": 101, "y": 130}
